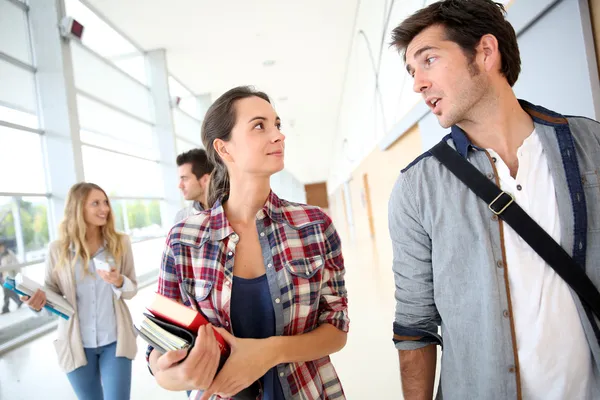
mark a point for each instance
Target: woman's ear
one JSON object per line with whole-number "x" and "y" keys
{"x": 220, "y": 147}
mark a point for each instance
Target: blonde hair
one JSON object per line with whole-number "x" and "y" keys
{"x": 73, "y": 228}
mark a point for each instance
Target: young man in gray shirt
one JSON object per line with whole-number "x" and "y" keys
{"x": 511, "y": 327}
{"x": 194, "y": 177}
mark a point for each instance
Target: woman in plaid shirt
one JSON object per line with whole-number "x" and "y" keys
{"x": 268, "y": 273}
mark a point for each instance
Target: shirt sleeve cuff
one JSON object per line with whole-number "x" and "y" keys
{"x": 408, "y": 338}
{"x": 126, "y": 287}
{"x": 337, "y": 319}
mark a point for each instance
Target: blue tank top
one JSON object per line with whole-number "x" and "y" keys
{"x": 253, "y": 317}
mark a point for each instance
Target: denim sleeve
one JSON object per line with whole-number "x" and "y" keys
{"x": 416, "y": 319}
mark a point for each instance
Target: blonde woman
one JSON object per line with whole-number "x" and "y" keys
{"x": 95, "y": 347}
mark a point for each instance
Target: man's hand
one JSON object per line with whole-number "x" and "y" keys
{"x": 249, "y": 360}
{"x": 198, "y": 369}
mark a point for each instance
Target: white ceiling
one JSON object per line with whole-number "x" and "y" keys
{"x": 213, "y": 46}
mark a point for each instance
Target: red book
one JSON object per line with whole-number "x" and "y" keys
{"x": 184, "y": 317}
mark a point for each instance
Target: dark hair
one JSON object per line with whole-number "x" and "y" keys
{"x": 466, "y": 22}
{"x": 218, "y": 122}
{"x": 199, "y": 160}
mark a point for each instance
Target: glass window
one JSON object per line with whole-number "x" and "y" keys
{"x": 19, "y": 117}
{"x": 186, "y": 127}
{"x": 121, "y": 175}
{"x": 14, "y": 32}
{"x": 181, "y": 146}
{"x": 21, "y": 162}
{"x": 134, "y": 65}
{"x": 147, "y": 255}
{"x": 18, "y": 87}
{"x": 107, "y": 42}
{"x": 188, "y": 102}
{"x": 140, "y": 149}
{"x": 36, "y": 272}
{"x": 177, "y": 89}
{"x": 140, "y": 219}
{"x": 114, "y": 88}
{"x": 24, "y": 224}
{"x": 102, "y": 119}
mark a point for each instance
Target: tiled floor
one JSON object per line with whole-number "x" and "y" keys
{"x": 368, "y": 365}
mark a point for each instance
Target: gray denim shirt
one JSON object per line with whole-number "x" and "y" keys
{"x": 449, "y": 259}
{"x": 193, "y": 209}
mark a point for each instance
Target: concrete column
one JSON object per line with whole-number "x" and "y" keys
{"x": 57, "y": 104}
{"x": 164, "y": 133}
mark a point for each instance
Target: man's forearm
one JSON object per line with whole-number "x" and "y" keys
{"x": 417, "y": 372}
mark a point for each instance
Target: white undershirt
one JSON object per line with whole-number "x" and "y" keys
{"x": 554, "y": 355}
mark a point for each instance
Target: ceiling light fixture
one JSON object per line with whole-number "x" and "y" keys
{"x": 268, "y": 63}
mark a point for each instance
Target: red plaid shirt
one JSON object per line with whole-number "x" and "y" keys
{"x": 303, "y": 259}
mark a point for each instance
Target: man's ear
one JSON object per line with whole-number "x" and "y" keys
{"x": 488, "y": 46}
{"x": 205, "y": 180}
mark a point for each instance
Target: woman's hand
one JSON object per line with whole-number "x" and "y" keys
{"x": 197, "y": 371}
{"x": 113, "y": 277}
{"x": 249, "y": 360}
{"x": 35, "y": 302}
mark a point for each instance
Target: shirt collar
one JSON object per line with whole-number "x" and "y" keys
{"x": 539, "y": 115}
{"x": 102, "y": 247}
{"x": 197, "y": 206}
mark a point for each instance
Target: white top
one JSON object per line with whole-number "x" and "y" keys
{"x": 95, "y": 307}
{"x": 554, "y": 355}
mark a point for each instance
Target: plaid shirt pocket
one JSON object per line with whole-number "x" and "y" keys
{"x": 306, "y": 275}
{"x": 198, "y": 293}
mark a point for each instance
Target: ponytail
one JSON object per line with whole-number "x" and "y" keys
{"x": 218, "y": 188}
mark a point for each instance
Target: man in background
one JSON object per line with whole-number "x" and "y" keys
{"x": 194, "y": 176}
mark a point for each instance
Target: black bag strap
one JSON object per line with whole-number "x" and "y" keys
{"x": 504, "y": 206}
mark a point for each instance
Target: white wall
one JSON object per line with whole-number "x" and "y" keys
{"x": 367, "y": 114}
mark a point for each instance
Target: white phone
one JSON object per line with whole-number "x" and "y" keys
{"x": 102, "y": 265}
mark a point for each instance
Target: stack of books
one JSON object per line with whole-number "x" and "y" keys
{"x": 170, "y": 326}
{"x": 55, "y": 303}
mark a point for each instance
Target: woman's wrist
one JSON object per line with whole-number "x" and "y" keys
{"x": 275, "y": 350}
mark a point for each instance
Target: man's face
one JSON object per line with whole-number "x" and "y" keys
{"x": 191, "y": 187}
{"x": 449, "y": 83}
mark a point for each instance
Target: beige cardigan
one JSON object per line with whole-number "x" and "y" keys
{"x": 69, "y": 346}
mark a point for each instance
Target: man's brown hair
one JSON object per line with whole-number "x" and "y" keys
{"x": 465, "y": 23}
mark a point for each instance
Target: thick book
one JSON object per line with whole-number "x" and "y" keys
{"x": 175, "y": 313}
{"x": 164, "y": 336}
{"x": 55, "y": 303}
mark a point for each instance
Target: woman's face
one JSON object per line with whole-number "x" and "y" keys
{"x": 96, "y": 209}
{"x": 256, "y": 146}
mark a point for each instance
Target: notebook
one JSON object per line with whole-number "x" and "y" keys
{"x": 55, "y": 303}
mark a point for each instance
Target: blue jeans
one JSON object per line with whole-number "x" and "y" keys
{"x": 105, "y": 377}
